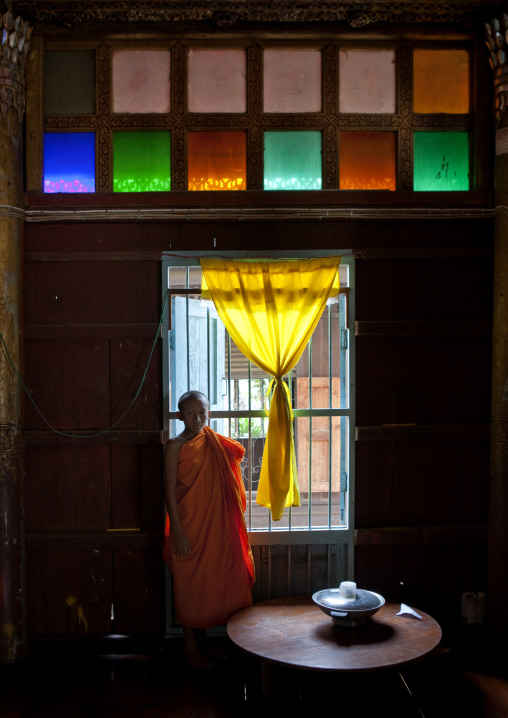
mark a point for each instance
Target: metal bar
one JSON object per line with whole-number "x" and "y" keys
{"x": 262, "y": 537}
{"x": 308, "y": 568}
{"x": 343, "y": 403}
{"x": 208, "y": 353}
{"x": 328, "y": 566}
{"x": 330, "y": 425}
{"x": 289, "y": 570}
{"x": 269, "y": 571}
{"x": 187, "y": 330}
{"x": 249, "y": 472}
{"x": 229, "y": 382}
{"x": 309, "y": 508}
{"x": 255, "y": 413}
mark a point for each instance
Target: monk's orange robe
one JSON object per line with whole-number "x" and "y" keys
{"x": 216, "y": 579}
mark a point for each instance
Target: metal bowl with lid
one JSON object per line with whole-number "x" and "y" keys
{"x": 348, "y": 606}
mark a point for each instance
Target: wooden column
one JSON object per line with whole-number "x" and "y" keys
{"x": 497, "y": 614}
{"x": 12, "y": 585}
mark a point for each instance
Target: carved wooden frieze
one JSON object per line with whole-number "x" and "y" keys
{"x": 225, "y": 13}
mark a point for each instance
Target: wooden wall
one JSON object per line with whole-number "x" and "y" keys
{"x": 92, "y": 303}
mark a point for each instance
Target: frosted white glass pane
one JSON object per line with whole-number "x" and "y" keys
{"x": 217, "y": 81}
{"x": 367, "y": 81}
{"x": 292, "y": 81}
{"x": 141, "y": 81}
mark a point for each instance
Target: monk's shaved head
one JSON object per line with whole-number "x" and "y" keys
{"x": 192, "y": 395}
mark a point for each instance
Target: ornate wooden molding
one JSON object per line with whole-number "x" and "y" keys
{"x": 225, "y": 13}
{"x": 496, "y": 39}
{"x": 15, "y": 41}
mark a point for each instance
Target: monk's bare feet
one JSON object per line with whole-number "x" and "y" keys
{"x": 193, "y": 653}
{"x": 221, "y": 654}
{"x": 197, "y": 660}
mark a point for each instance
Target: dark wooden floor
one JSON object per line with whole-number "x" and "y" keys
{"x": 110, "y": 682}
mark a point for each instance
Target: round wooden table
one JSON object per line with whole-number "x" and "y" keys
{"x": 295, "y": 632}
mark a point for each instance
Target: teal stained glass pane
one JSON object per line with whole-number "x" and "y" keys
{"x": 292, "y": 160}
{"x": 441, "y": 161}
{"x": 141, "y": 162}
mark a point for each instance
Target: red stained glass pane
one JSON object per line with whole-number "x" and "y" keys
{"x": 217, "y": 161}
{"x": 367, "y": 160}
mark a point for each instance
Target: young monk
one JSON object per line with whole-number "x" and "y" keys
{"x": 205, "y": 543}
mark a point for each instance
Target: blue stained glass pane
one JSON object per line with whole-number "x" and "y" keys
{"x": 292, "y": 160}
{"x": 69, "y": 162}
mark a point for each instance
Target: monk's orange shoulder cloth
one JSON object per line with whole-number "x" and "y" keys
{"x": 216, "y": 579}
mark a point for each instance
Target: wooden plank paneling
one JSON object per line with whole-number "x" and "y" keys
{"x": 415, "y": 483}
{"x": 429, "y": 282}
{"x": 423, "y": 380}
{"x": 68, "y": 380}
{"x": 126, "y": 487}
{"x": 430, "y": 577}
{"x": 138, "y": 599}
{"x": 452, "y": 289}
{"x": 152, "y": 483}
{"x": 113, "y": 437}
{"x": 432, "y": 328}
{"x": 128, "y": 362}
{"x": 132, "y": 291}
{"x": 68, "y": 488}
{"x": 69, "y": 591}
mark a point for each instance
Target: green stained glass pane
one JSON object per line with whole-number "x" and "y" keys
{"x": 441, "y": 161}
{"x": 292, "y": 160}
{"x": 141, "y": 162}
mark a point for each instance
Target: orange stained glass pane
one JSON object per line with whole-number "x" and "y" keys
{"x": 441, "y": 81}
{"x": 217, "y": 161}
{"x": 367, "y": 160}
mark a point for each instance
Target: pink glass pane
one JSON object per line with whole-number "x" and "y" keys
{"x": 292, "y": 81}
{"x": 441, "y": 81}
{"x": 217, "y": 81}
{"x": 367, "y": 81}
{"x": 141, "y": 81}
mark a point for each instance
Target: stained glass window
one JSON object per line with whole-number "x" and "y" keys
{"x": 69, "y": 82}
{"x": 141, "y": 81}
{"x": 367, "y": 81}
{"x": 69, "y": 162}
{"x": 292, "y": 81}
{"x": 367, "y": 160}
{"x": 216, "y": 81}
{"x": 441, "y": 81}
{"x": 441, "y": 161}
{"x": 141, "y": 162}
{"x": 217, "y": 161}
{"x": 292, "y": 160}
{"x": 221, "y": 112}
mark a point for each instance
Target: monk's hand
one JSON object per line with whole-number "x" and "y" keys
{"x": 181, "y": 545}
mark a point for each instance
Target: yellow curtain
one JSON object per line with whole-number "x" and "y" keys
{"x": 270, "y": 309}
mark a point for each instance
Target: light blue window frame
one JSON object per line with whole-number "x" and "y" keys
{"x": 342, "y": 535}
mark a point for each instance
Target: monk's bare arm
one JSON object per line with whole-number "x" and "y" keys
{"x": 181, "y": 545}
